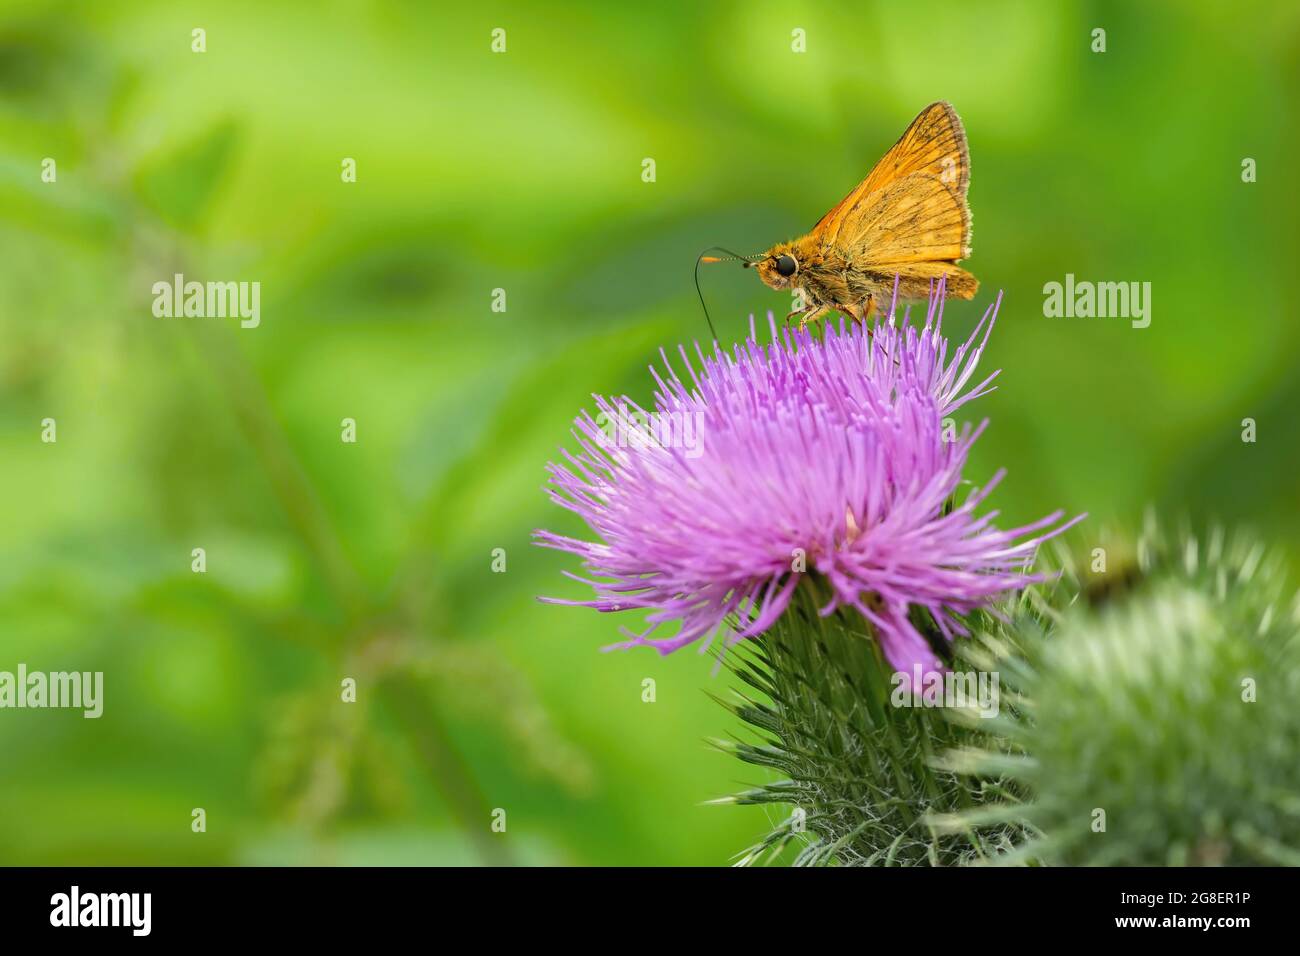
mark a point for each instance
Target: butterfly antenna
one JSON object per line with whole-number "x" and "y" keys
{"x": 704, "y": 257}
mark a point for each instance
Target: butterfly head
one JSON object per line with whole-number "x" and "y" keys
{"x": 779, "y": 267}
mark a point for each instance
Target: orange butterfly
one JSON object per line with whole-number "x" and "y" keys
{"x": 908, "y": 220}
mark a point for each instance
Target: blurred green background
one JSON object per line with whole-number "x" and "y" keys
{"x": 522, "y": 171}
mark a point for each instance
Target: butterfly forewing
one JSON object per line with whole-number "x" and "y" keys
{"x": 914, "y": 219}
{"x": 934, "y": 144}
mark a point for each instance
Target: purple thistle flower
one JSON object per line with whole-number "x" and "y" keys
{"x": 829, "y": 450}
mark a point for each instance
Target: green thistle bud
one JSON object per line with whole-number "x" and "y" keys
{"x": 858, "y": 772}
{"x": 1160, "y": 715}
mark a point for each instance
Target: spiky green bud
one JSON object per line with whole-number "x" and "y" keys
{"x": 1160, "y": 722}
{"x": 858, "y": 774}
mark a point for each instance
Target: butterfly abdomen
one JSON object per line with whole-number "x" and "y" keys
{"x": 916, "y": 279}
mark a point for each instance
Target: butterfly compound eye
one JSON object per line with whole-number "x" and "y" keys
{"x": 786, "y": 265}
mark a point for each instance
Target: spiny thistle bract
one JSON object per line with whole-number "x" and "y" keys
{"x": 859, "y": 773}
{"x": 1160, "y": 715}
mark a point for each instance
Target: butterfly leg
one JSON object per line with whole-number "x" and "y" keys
{"x": 861, "y": 313}
{"x": 811, "y": 315}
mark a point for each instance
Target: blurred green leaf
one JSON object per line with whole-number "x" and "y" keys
{"x": 181, "y": 184}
